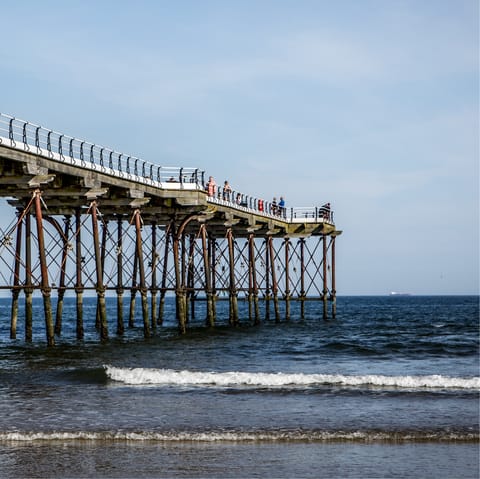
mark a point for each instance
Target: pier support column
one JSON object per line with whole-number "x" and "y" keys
{"x": 302, "y": 278}
{"x": 61, "y": 286}
{"x": 191, "y": 276}
{"x": 28, "y": 278}
{"x": 212, "y": 259}
{"x": 100, "y": 288}
{"x": 287, "y": 279}
{"x": 141, "y": 270}
{"x": 325, "y": 285}
{"x": 163, "y": 288}
{"x": 16, "y": 279}
{"x": 78, "y": 266}
{"x": 45, "y": 286}
{"x": 210, "y": 320}
{"x": 233, "y": 316}
{"x": 271, "y": 253}
{"x": 267, "y": 281}
{"x": 334, "y": 292}
{"x": 179, "y": 289}
{"x": 253, "y": 277}
{"x": 133, "y": 292}
{"x": 153, "y": 288}
{"x": 119, "y": 289}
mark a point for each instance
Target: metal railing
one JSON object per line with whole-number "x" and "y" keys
{"x": 239, "y": 200}
{"x": 25, "y": 136}
{"x": 51, "y": 144}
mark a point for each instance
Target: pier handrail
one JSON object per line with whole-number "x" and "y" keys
{"x": 239, "y": 200}
{"x": 27, "y": 136}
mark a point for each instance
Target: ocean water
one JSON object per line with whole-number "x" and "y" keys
{"x": 390, "y": 388}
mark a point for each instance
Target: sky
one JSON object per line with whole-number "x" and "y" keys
{"x": 372, "y": 106}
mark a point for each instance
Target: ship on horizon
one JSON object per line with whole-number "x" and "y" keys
{"x": 396, "y": 293}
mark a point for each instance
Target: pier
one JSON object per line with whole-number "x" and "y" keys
{"x": 87, "y": 219}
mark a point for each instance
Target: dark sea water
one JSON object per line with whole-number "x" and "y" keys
{"x": 390, "y": 388}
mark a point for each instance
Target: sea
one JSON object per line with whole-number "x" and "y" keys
{"x": 389, "y": 388}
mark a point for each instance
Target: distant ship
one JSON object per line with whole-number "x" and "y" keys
{"x": 395, "y": 293}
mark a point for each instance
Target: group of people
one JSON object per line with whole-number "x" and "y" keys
{"x": 278, "y": 208}
{"x": 226, "y": 194}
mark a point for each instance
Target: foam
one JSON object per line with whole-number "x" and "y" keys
{"x": 240, "y": 436}
{"x": 147, "y": 376}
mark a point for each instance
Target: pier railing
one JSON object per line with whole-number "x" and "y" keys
{"x": 51, "y": 144}
{"x": 242, "y": 201}
{"x": 25, "y": 136}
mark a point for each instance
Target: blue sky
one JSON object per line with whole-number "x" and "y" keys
{"x": 372, "y": 105}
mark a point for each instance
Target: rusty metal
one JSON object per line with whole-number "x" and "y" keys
{"x": 45, "y": 286}
{"x": 153, "y": 287}
{"x": 78, "y": 284}
{"x": 233, "y": 310}
{"x": 333, "y": 292}
{"x": 325, "y": 285}
{"x": 287, "y": 278}
{"x": 120, "y": 289}
{"x": 100, "y": 288}
{"x": 16, "y": 281}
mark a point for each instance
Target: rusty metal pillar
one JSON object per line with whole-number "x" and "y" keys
{"x": 212, "y": 255}
{"x": 45, "y": 286}
{"x": 164, "y": 274}
{"x": 274, "y": 278}
{"x": 16, "y": 279}
{"x": 78, "y": 266}
{"x": 183, "y": 250}
{"x": 179, "y": 289}
{"x": 61, "y": 286}
{"x": 302, "y": 278}
{"x": 100, "y": 288}
{"x": 210, "y": 320}
{"x": 153, "y": 287}
{"x": 141, "y": 270}
{"x": 287, "y": 278}
{"x": 28, "y": 278}
{"x": 233, "y": 315}
{"x": 325, "y": 285}
{"x": 133, "y": 292}
{"x": 191, "y": 276}
{"x": 334, "y": 292}
{"x": 120, "y": 290}
{"x": 253, "y": 274}
{"x": 267, "y": 281}
{"x": 102, "y": 256}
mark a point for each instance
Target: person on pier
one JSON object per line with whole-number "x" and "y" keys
{"x": 227, "y": 191}
{"x": 211, "y": 186}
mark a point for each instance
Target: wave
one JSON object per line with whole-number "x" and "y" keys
{"x": 147, "y": 376}
{"x": 243, "y": 436}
